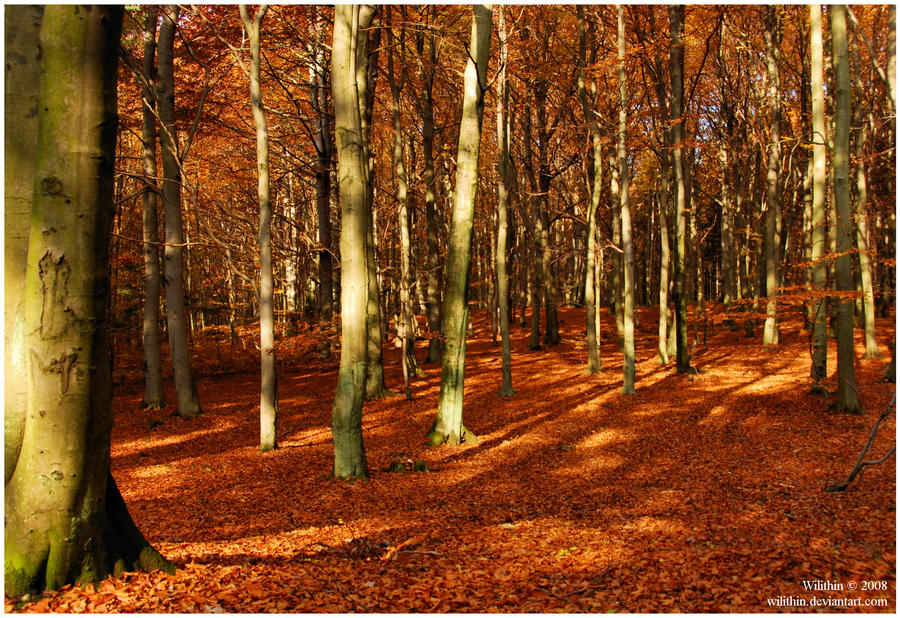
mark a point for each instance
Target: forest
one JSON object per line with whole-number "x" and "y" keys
{"x": 450, "y": 308}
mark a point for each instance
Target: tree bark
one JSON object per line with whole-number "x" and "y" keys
{"x": 22, "y": 25}
{"x": 625, "y": 197}
{"x": 153, "y": 390}
{"x": 322, "y": 141}
{"x": 846, "y": 399}
{"x": 449, "y": 426}
{"x": 819, "y": 353}
{"x": 268, "y": 395}
{"x": 65, "y": 521}
{"x": 186, "y": 392}
{"x": 773, "y": 199}
{"x": 676, "y": 71}
{"x": 346, "y": 413}
{"x": 503, "y": 137}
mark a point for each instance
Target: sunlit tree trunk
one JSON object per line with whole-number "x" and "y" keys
{"x": 773, "y": 207}
{"x": 819, "y": 365}
{"x": 676, "y": 72}
{"x": 590, "y": 299}
{"x": 186, "y": 392}
{"x": 346, "y": 413}
{"x": 65, "y": 521}
{"x": 625, "y": 197}
{"x": 846, "y": 399}
{"x": 22, "y": 25}
{"x": 506, "y": 388}
{"x": 268, "y": 398}
{"x": 448, "y": 426}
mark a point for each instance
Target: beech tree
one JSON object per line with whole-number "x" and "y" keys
{"x": 625, "y": 206}
{"x": 448, "y": 426}
{"x": 65, "y": 520}
{"x": 819, "y": 364}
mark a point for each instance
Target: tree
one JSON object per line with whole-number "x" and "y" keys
{"x": 448, "y": 426}
{"x": 268, "y": 396}
{"x": 819, "y": 364}
{"x": 625, "y": 204}
{"x": 676, "y": 73}
{"x": 153, "y": 388}
{"x": 773, "y": 199}
{"x": 846, "y": 399}
{"x": 503, "y": 136}
{"x": 65, "y": 519}
{"x": 176, "y": 318}
{"x": 22, "y": 26}
{"x": 346, "y": 413}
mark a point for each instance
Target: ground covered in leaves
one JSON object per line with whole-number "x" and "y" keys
{"x": 702, "y": 492}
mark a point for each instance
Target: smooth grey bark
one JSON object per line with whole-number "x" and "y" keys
{"x": 594, "y": 364}
{"x": 22, "y": 26}
{"x": 153, "y": 389}
{"x": 625, "y": 203}
{"x": 176, "y": 318}
{"x": 773, "y": 199}
{"x": 448, "y": 426}
{"x": 676, "y": 74}
{"x": 346, "y": 413}
{"x": 503, "y": 172}
{"x": 318, "y": 96}
{"x": 65, "y": 521}
{"x": 819, "y": 360}
{"x": 268, "y": 392}
{"x": 846, "y": 398}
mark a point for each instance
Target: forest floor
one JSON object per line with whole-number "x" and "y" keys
{"x": 703, "y": 492}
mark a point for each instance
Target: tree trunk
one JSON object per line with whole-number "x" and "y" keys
{"x": 322, "y": 141}
{"x": 153, "y": 390}
{"x": 346, "y": 414}
{"x": 594, "y": 364}
{"x": 847, "y": 399}
{"x": 268, "y": 396}
{"x": 186, "y": 392}
{"x": 65, "y": 521}
{"x": 773, "y": 199}
{"x": 503, "y": 137}
{"x": 819, "y": 364}
{"x": 406, "y": 329}
{"x": 448, "y": 426}
{"x": 22, "y": 25}
{"x": 676, "y": 70}
{"x": 625, "y": 202}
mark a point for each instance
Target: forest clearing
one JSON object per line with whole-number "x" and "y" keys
{"x": 446, "y": 308}
{"x": 700, "y": 493}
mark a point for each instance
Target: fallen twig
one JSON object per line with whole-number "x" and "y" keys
{"x": 861, "y": 462}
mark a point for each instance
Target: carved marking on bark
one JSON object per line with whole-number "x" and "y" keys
{"x": 63, "y": 366}
{"x": 56, "y": 317}
{"x": 51, "y": 186}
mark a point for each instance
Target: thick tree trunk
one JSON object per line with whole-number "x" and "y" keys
{"x": 22, "y": 25}
{"x": 65, "y": 521}
{"x": 503, "y": 137}
{"x": 153, "y": 390}
{"x": 186, "y": 392}
{"x": 346, "y": 413}
{"x": 268, "y": 395}
{"x": 625, "y": 197}
{"x": 773, "y": 199}
{"x": 847, "y": 398}
{"x": 448, "y": 426}
{"x": 676, "y": 70}
{"x": 819, "y": 352}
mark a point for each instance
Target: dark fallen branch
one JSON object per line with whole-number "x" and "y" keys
{"x": 861, "y": 463}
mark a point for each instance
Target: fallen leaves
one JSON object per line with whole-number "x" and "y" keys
{"x": 701, "y": 495}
